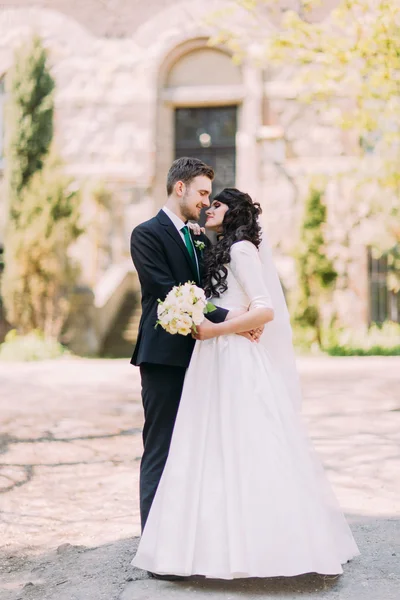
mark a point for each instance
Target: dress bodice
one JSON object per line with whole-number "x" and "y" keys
{"x": 246, "y": 285}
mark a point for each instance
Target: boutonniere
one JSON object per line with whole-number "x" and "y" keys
{"x": 200, "y": 245}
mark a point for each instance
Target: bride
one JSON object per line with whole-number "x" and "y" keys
{"x": 242, "y": 493}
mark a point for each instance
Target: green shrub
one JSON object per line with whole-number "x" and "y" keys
{"x": 377, "y": 340}
{"x": 304, "y": 340}
{"x": 40, "y": 273}
{"x": 316, "y": 274}
{"x": 30, "y": 347}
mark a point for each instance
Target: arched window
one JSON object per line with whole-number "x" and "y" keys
{"x": 203, "y": 86}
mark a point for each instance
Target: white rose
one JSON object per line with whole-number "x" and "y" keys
{"x": 187, "y": 308}
{"x": 166, "y": 317}
{"x": 200, "y": 295}
{"x": 198, "y": 315}
{"x": 177, "y": 311}
{"x": 201, "y": 302}
{"x": 184, "y": 322}
{"x": 171, "y": 298}
{"x": 172, "y": 328}
{"x": 184, "y": 300}
{"x": 184, "y": 325}
{"x": 162, "y": 308}
{"x": 184, "y": 331}
{"x": 186, "y": 295}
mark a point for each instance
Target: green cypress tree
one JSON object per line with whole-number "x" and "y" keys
{"x": 43, "y": 206}
{"x": 316, "y": 273}
{"x": 29, "y": 120}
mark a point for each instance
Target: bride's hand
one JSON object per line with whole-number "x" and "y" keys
{"x": 195, "y": 227}
{"x": 257, "y": 333}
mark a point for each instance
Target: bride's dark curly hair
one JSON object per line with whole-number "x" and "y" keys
{"x": 240, "y": 223}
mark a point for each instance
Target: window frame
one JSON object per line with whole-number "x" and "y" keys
{"x": 384, "y": 305}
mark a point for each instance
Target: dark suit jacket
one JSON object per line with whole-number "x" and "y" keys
{"x": 162, "y": 261}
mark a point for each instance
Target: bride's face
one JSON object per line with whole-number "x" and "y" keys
{"x": 215, "y": 216}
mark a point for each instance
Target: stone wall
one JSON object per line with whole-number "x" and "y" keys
{"x": 103, "y": 18}
{"x": 121, "y": 18}
{"x": 111, "y": 61}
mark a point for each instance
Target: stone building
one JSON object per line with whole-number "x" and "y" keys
{"x": 137, "y": 86}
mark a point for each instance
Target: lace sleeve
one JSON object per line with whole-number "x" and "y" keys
{"x": 247, "y": 268}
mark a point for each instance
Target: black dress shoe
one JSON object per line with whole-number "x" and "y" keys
{"x": 166, "y": 577}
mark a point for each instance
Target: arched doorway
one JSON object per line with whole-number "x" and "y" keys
{"x": 199, "y": 112}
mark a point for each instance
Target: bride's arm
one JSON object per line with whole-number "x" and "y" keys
{"x": 247, "y": 268}
{"x": 254, "y": 318}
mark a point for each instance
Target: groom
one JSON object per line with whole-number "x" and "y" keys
{"x": 165, "y": 254}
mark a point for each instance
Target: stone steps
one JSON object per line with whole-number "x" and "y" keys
{"x": 121, "y": 339}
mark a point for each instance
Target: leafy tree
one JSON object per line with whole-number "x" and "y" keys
{"x": 315, "y": 270}
{"x": 348, "y": 57}
{"x": 39, "y": 272}
{"x": 43, "y": 205}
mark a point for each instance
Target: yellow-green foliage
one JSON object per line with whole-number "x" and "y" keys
{"x": 350, "y": 60}
{"x": 33, "y": 346}
{"x": 314, "y": 268}
{"x": 381, "y": 340}
{"x": 39, "y": 272}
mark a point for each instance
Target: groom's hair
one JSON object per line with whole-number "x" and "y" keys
{"x": 186, "y": 169}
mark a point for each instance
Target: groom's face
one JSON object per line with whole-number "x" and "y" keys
{"x": 196, "y": 196}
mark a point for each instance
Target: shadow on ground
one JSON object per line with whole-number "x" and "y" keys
{"x": 105, "y": 573}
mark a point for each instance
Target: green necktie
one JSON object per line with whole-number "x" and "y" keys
{"x": 189, "y": 245}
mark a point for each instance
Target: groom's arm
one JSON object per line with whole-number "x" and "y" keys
{"x": 149, "y": 259}
{"x": 218, "y": 315}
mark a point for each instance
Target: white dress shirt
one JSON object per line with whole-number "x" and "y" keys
{"x": 179, "y": 224}
{"x": 176, "y": 221}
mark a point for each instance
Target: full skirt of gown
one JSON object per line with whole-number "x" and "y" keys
{"x": 243, "y": 493}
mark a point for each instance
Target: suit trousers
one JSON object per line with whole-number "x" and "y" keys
{"x": 161, "y": 392}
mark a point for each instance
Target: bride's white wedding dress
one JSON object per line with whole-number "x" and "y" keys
{"x": 242, "y": 493}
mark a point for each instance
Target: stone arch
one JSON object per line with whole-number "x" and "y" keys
{"x": 185, "y": 79}
{"x": 222, "y": 84}
{"x": 170, "y": 72}
{"x": 163, "y": 45}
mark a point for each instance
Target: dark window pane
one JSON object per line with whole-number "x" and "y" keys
{"x": 384, "y": 304}
{"x": 209, "y": 133}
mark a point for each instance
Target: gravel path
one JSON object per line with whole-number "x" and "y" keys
{"x": 70, "y": 447}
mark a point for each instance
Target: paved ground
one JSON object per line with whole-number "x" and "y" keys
{"x": 69, "y": 455}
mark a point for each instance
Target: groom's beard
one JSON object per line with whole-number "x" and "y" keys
{"x": 190, "y": 213}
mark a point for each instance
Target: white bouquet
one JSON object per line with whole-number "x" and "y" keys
{"x": 183, "y": 309}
